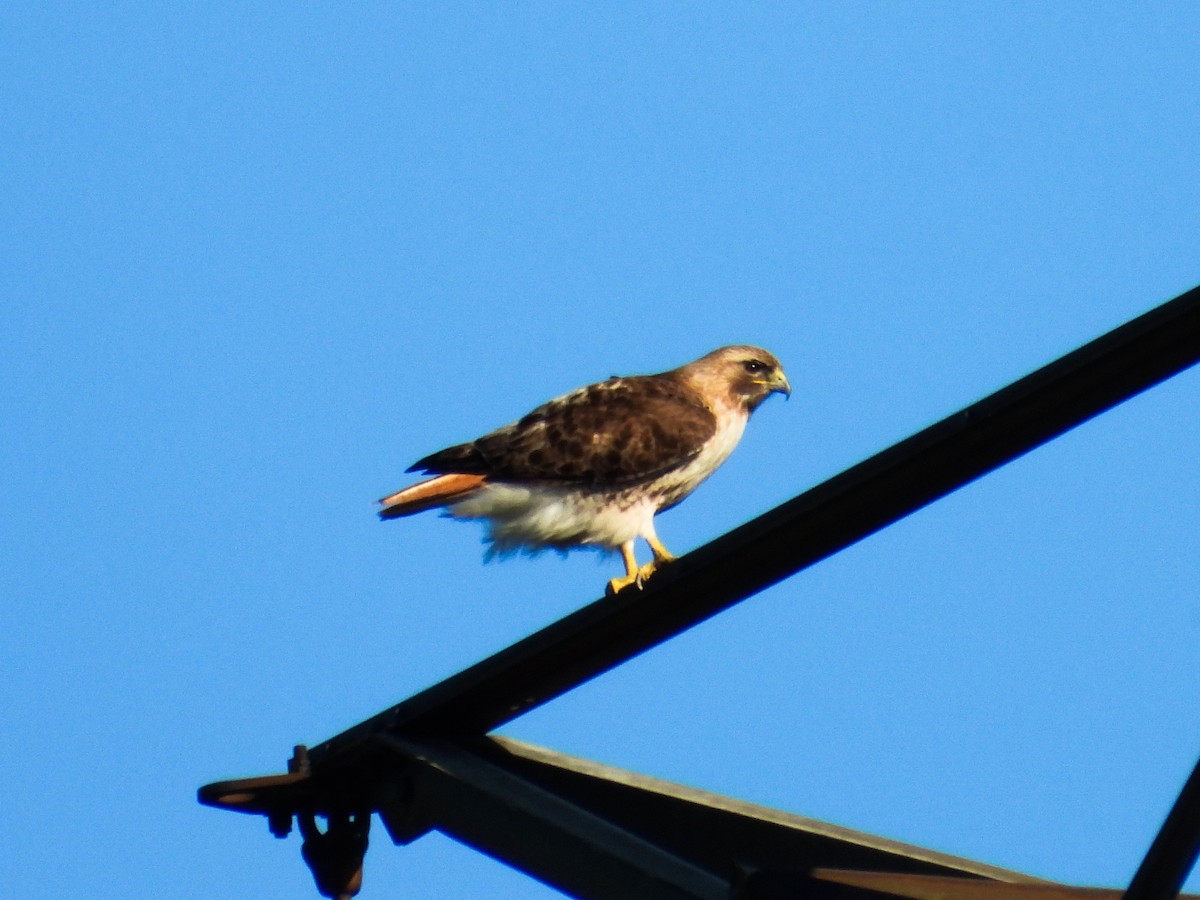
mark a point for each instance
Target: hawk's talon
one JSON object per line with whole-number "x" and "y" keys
{"x": 638, "y": 577}
{"x": 617, "y": 585}
{"x": 644, "y": 572}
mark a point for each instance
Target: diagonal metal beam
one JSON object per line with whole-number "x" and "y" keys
{"x": 803, "y": 531}
{"x": 1175, "y": 849}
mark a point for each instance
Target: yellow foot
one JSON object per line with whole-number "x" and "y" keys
{"x": 639, "y": 578}
{"x": 644, "y": 573}
{"x": 619, "y": 584}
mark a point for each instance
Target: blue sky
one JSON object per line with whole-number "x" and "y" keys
{"x": 259, "y": 258}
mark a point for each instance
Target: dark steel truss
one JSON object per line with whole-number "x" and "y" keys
{"x": 602, "y": 834}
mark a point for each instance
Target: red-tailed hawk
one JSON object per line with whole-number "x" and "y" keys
{"x": 593, "y": 467}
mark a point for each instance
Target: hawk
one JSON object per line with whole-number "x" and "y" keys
{"x": 593, "y": 467}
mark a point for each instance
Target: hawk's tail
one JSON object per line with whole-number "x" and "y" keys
{"x": 439, "y": 491}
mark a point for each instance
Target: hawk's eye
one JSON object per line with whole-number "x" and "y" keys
{"x": 754, "y": 367}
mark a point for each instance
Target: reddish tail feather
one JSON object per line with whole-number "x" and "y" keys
{"x": 424, "y": 495}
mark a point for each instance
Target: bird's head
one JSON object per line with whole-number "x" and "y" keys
{"x": 741, "y": 375}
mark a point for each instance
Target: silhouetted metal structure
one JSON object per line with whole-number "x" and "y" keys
{"x": 604, "y": 834}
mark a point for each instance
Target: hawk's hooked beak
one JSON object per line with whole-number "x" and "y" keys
{"x": 780, "y": 385}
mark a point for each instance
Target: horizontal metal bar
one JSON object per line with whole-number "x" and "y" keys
{"x": 723, "y": 834}
{"x": 940, "y": 887}
{"x": 803, "y": 531}
{"x": 1173, "y": 853}
{"x": 479, "y": 802}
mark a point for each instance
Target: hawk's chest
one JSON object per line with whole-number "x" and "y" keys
{"x": 673, "y": 486}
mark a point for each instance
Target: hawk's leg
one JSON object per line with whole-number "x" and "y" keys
{"x": 633, "y": 575}
{"x": 662, "y": 555}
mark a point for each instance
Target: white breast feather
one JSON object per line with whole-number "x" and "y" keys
{"x": 682, "y": 481}
{"x": 538, "y": 516}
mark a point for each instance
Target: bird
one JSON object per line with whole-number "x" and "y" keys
{"x": 593, "y": 467}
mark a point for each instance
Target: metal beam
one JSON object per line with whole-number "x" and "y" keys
{"x": 723, "y": 834}
{"x": 803, "y": 531}
{"x": 488, "y": 807}
{"x": 1174, "y": 851}
{"x": 940, "y": 887}
{"x": 594, "y": 830}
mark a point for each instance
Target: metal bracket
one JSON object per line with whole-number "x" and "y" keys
{"x": 335, "y": 855}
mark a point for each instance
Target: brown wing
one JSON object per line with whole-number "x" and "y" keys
{"x": 618, "y": 431}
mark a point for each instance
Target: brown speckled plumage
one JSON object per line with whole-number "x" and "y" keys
{"x": 617, "y": 432}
